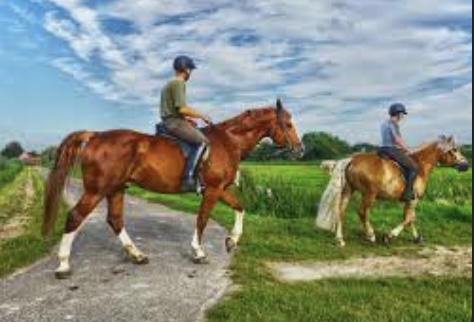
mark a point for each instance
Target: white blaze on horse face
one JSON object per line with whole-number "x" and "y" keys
{"x": 65, "y": 251}
{"x": 196, "y": 245}
{"x": 238, "y": 229}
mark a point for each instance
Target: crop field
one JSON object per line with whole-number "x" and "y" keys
{"x": 281, "y": 202}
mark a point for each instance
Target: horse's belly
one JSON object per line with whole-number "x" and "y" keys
{"x": 160, "y": 170}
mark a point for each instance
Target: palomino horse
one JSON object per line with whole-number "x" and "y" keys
{"x": 377, "y": 178}
{"x": 111, "y": 160}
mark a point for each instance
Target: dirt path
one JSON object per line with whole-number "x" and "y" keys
{"x": 106, "y": 287}
{"x": 436, "y": 261}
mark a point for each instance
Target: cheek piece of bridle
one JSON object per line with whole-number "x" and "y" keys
{"x": 288, "y": 144}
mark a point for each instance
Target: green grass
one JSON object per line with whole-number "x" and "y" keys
{"x": 281, "y": 228}
{"x": 8, "y": 172}
{"x": 30, "y": 246}
{"x": 387, "y": 300}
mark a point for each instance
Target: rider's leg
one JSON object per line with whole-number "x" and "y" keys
{"x": 410, "y": 169}
{"x": 199, "y": 145}
{"x": 411, "y": 173}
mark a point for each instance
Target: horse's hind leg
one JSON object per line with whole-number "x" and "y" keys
{"x": 116, "y": 222}
{"x": 368, "y": 201}
{"x": 345, "y": 199}
{"x": 75, "y": 220}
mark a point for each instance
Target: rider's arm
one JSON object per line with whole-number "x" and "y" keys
{"x": 400, "y": 142}
{"x": 189, "y": 112}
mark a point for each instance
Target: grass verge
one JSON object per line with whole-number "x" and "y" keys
{"x": 30, "y": 246}
{"x": 273, "y": 236}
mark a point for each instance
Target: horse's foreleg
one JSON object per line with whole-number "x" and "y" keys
{"x": 409, "y": 217}
{"x": 345, "y": 199}
{"x": 233, "y": 240}
{"x": 116, "y": 222}
{"x": 75, "y": 220}
{"x": 211, "y": 196}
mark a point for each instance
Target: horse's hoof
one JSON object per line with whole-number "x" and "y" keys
{"x": 201, "y": 260}
{"x": 230, "y": 244}
{"x": 387, "y": 239}
{"x": 140, "y": 260}
{"x": 371, "y": 239}
{"x": 419, "y": 240}
{"x": 63, "y": 275}
{"x": 341, "y": 243}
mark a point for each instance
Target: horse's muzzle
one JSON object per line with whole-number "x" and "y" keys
{"x": 298, "y": 151}
{"x": 462, "y": 167}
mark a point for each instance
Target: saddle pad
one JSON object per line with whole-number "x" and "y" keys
{"x": 160, "y": 130}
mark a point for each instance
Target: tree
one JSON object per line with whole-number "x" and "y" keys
{"x": 265, "y": 151}
{"x": 320, "y": 146}
{"x": 12, "y": 150}
{"x": 364, "y": 147}
{"x": 49, "y": 155}
{"x": 467, "y": 151}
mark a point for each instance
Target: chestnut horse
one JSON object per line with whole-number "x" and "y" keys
{"x": 111, "y": 160}
{"x": 378, "y": 178}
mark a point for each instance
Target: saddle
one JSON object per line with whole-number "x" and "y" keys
{"x": 384, "y": 156}
{"x": 160, "y": 130}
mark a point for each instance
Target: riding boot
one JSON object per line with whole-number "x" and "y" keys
{"x": 409, "y": 195}
{"x": 188, "y": 182}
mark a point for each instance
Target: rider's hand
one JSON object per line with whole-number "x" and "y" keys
{"x": 206, "y": 119}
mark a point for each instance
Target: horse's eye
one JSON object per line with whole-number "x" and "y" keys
{"x": 289, "y": 125}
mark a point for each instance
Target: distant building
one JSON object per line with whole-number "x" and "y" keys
{"x": 30, "y": 159}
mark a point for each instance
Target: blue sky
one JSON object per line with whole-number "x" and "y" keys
{"x": 67, "y": 65}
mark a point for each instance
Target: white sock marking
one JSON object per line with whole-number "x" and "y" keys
{"x": 197, "y": 246}
{"x": 65, "y": 251}
{"x": 238, "y": 229}
{"x": 128, "y": 244}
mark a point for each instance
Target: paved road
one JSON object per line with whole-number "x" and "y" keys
{"x": 105, "y": 287}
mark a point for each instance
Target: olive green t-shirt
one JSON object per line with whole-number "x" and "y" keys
{"x": 173, "y": 97}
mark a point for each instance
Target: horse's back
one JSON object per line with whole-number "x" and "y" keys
{"x": 370, "y": 172}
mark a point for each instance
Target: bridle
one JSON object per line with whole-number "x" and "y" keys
{"x": 288, "y": 143}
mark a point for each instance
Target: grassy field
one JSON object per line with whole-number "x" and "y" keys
{"x": 8, "y": 172}
{"x": 281, "y": 228}
{"x": 29, "y": 245}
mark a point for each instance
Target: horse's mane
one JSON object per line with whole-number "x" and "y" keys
{"x": 424, "y": 147}
{"x": 254, "y": 113}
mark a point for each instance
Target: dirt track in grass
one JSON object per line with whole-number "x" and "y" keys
{"x": 435, "y": 261}
{"x": 23, "y": 192}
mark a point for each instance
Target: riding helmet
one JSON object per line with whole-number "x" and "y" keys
{"x": 184, "y": 62}
{"x": 397, "y": 109}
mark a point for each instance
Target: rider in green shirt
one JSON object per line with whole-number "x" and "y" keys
{"x": 176, "y": 116}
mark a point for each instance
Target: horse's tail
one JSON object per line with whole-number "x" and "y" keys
{"x": 330, "y": 204}
{"x": 66, "y": 157}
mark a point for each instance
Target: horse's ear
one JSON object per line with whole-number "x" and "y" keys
{"x": 279, "y": 105}
{"x": 451, "y": 139}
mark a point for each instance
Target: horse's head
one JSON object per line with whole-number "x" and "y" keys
{"x": 450, "y": 154}
{"x": 284, "y": 133}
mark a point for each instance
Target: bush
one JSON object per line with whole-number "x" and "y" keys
{"x": 8, "y": 171}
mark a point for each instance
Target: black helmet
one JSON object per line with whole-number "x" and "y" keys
{"x": 397, "y": 109}
{"x": 184, "y": 62}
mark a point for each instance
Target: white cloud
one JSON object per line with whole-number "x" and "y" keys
{"x": 337, "y": 63}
